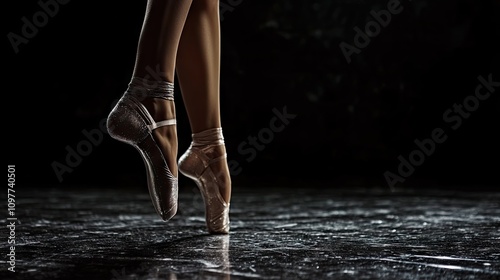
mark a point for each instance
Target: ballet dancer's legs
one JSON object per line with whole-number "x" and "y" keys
{"x": 198, "y": 72}
{"x": 156, "y": 55}
{"x": 186, "y": 32}
{"x": 145, "y": 115}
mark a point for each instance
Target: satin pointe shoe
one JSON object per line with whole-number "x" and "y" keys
{"x": 130, "y": 122}
{"x": 196, "y": 163}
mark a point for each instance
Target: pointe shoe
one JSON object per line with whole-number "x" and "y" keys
{"x": 196, "y": 165}
{"x": 130, "y": 122}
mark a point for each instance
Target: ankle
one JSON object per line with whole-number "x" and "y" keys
{"x": 160, "y": 109}
{"x": 156, "y": 95}
{"x": 210, "y": 142}
{"x": 208, "y": 137}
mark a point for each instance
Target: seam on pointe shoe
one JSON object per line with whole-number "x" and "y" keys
{"x": 169, "y": 211}
{"x": 217, "y": 217}
{"x": 218, "y": 194}
{"x": 161, "y": 153}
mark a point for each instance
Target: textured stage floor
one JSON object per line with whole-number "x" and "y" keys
{"x": 85, "y": 233}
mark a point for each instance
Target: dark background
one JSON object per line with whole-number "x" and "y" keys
{"x": 352, "y": 120}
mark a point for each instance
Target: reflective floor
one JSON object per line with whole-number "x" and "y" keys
{"x": 85, "y": 233}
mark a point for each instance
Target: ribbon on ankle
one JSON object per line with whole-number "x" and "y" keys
{"x": 142, "y": 88}
{"x": 207, "y": 137}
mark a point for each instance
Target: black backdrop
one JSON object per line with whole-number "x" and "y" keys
{"x": 347, "y": 123}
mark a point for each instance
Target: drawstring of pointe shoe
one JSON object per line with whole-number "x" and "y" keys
{"x": 209, "y": 137}
{"x": 141, "y": 88}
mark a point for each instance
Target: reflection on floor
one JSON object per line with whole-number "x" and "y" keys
{"x": 275, "y": 234}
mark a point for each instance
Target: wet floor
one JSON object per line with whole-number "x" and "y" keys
{"x": 84, "y": 233}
